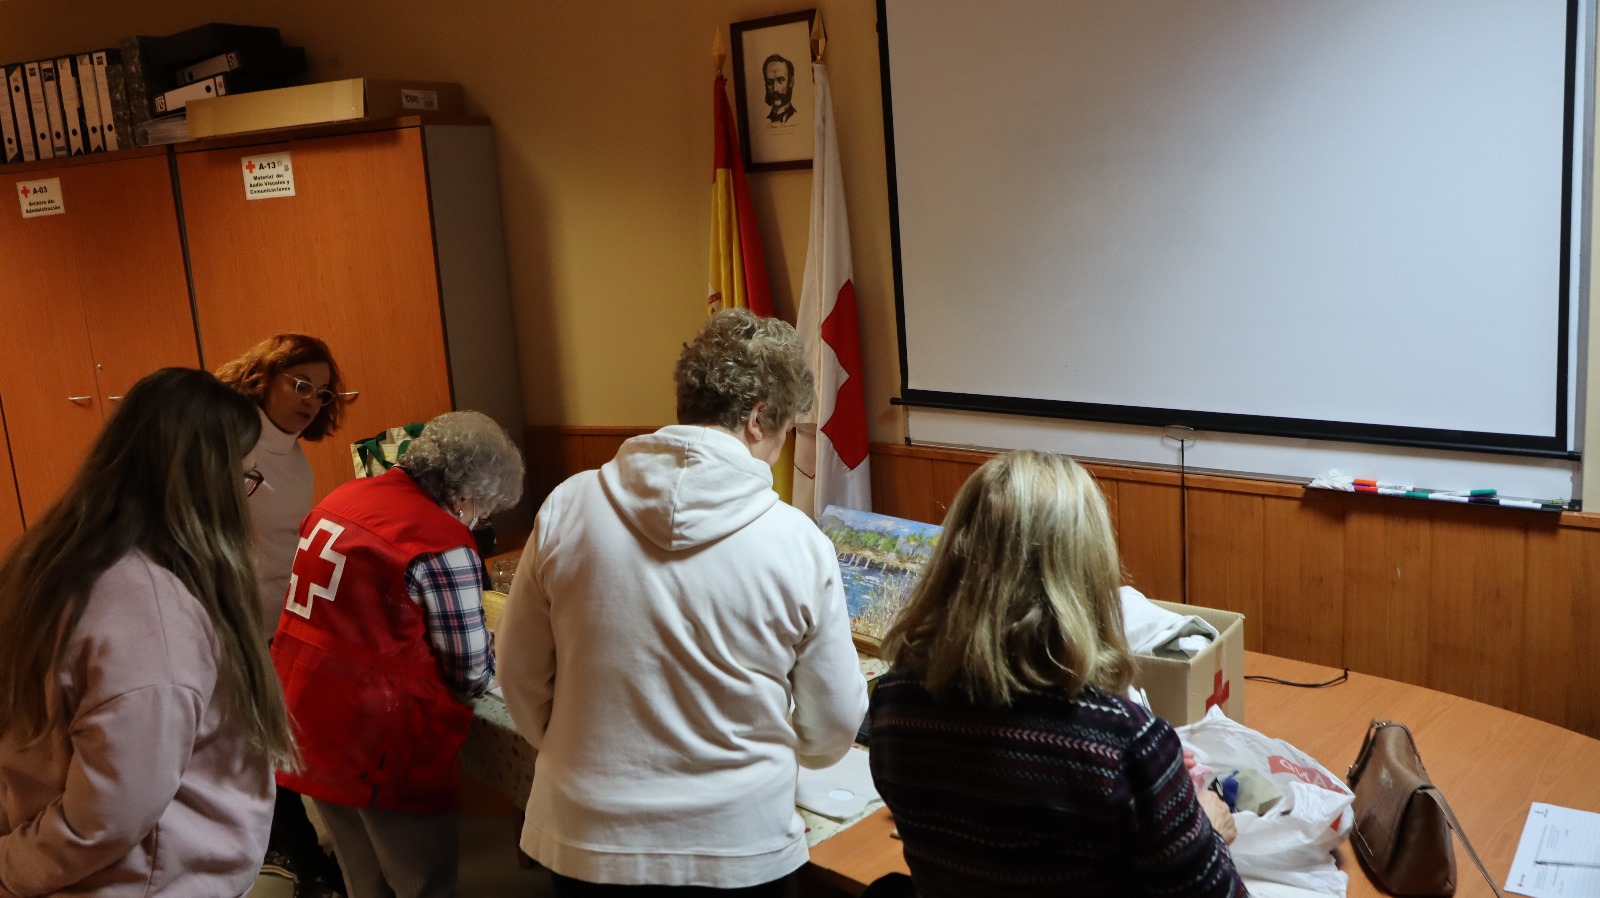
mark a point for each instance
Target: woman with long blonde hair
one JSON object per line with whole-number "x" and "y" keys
{"x": 1003, "y": 740}
{"x": 140, "y": 717}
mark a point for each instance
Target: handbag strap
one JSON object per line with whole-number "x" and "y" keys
{"x": 1455, "y": 826}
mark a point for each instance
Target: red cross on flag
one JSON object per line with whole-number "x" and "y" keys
{"x": 830, "y": 453}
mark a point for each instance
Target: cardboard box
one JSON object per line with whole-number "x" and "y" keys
{"x": 1181, "y": 690}
{"x": 325, "y": 101}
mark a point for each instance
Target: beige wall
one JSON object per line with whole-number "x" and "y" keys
{"x": 603, "y": 116}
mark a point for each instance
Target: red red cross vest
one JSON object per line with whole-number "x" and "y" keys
{"x": 375, "y": 724}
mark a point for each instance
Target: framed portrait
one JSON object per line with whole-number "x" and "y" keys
{"x": 773, "y": 91}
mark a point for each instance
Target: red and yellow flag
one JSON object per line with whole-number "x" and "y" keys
{"x": 738, "y": 266}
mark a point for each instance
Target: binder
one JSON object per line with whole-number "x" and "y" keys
{"x": 17, "y": 106}
{"x": 149, "y": 62}
{"x": 205, "y": 68}
{"x": 89, "y": 90}
{"x": 52, "y": 105}
{"x": 286, "y": 61}
{"x": 237, "y": 81}
{"x": 71, "y": 106}
{"x": 179, "y": 97}
{"x": 41, "y": 121}
{"x": 135, "y": 81}
{"x": 108, "y": 79}
{"x": 8, "y": 134}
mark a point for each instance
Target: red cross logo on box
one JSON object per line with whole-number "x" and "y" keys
{"x": 1219, "y": 693}
{"x": 328, "y": 565}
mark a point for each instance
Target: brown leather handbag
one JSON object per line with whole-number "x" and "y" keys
{"x": 1403, "y": 824}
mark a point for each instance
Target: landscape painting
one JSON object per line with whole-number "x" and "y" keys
{"x": 880, "y": 557}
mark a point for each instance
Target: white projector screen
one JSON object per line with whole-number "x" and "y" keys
{"x": 1350, "y": 220}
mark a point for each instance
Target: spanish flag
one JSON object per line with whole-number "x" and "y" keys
{"x": 738, "y": 266}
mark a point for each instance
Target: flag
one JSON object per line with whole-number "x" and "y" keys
{"x": 830, "y": 457}
{"x": 738, "y": 266}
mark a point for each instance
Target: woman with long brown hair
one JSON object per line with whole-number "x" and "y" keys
{"x": 140, "y": 717}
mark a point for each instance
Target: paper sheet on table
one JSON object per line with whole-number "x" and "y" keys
{"x": 840, "y": 791}
{"x": 1556, "y": 832}
{"x": 1570, "y": 837}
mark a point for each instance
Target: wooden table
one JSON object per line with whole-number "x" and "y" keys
{"x": 1490, "y": 763}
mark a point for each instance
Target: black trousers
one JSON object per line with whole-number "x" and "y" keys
{"x": 576, "y": 888}
{"x": 293, "y": 834}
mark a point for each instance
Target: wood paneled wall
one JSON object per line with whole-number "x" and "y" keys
{"x": 1498, "y": 605}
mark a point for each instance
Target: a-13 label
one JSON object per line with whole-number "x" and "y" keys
{"x": 267, "y": 177}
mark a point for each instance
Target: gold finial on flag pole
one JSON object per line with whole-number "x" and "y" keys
{"x": 819, "y": 38}
{"x": 719, "y": 51}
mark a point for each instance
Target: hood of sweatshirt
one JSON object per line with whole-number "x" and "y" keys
{"x": 685, "y": 485}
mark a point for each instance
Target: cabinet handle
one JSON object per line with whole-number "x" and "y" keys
{"x": 114, "y": 398}
{"x": 79, "y": 398}
{"x": 350, "y": 395}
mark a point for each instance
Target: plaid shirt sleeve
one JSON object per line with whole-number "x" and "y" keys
{"x": 449, "y": 587}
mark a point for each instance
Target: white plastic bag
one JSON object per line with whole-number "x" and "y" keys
{"x": 1293, "y": 842}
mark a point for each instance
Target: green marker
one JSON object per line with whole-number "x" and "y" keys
{"x": 1483, "y": 492}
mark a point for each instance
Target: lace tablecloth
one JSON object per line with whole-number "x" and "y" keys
{"x": 495, "y": 753}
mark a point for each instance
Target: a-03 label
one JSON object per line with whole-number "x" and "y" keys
{"x": 41, "y": 197}
{"x": 267, "y": 177}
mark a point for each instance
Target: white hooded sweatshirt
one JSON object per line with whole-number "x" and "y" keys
{"x": 675, "y": 645}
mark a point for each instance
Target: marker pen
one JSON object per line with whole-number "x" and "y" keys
{"x": 1380, "y": 485}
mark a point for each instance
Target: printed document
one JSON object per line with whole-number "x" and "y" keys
{"x": 1559, "y": 854}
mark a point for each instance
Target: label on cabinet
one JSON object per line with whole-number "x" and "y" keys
{"x": 267, "y": 177}
{"x": 42, "y": 197}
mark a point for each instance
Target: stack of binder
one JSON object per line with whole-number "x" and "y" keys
{"x": 136, "y": 93}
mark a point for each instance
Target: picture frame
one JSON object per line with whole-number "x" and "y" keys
{"x": 775, "y": 127}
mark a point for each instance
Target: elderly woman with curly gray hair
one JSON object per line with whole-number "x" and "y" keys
{"x": 382, "y": 644}
{"x": 677, "y": 645}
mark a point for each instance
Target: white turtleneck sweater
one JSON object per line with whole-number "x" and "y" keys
{"x": 277, "y": 508}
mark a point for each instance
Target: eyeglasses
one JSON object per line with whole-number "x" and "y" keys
{"x": 252, "y": 482}
{"x": 305, "y": 390}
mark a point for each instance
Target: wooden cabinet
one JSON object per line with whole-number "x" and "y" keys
{"x": 94, "y": 299}
{"x": 10, "y": 508}
{"x": 390, "y": 249}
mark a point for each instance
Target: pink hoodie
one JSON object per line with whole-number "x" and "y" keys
{"x": 143, "y": 791}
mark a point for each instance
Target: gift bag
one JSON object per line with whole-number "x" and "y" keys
{"x": 1290, "y": 843}
{"x": 376, "y": 454}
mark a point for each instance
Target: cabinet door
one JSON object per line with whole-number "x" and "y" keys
{"x": 349, "y": 258}
{"x": 145, "y": 322}
{"x": 10, "y": 508}
{"x": 107, "y": 276}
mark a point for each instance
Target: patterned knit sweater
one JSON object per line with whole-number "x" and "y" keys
{"x": 1050, "y": 796}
